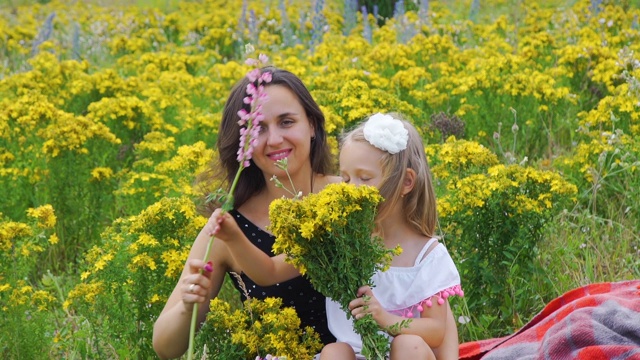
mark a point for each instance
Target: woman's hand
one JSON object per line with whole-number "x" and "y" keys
{"x": 197, "y": 284}
{"x": 223, "y": 226}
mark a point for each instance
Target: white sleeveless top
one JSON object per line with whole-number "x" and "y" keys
{"x": 403, "y": 291}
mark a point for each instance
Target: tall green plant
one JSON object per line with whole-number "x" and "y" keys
{"x": 493, "y": 216}
{"x": 127, "y": 278}
{"x": 25, "y": 305}
{"x": 493, "y": 223}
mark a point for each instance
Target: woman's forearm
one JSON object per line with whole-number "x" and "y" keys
{"x": 171, "y": 332}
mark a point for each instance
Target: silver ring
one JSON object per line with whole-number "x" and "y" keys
{"x": 192, "y": 288}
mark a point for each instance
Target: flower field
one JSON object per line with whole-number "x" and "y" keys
{"x": 530, "y": 113}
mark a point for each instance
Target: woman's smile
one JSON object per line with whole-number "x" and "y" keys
{"x": 279, "y": 155}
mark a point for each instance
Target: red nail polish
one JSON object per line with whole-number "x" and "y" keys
{"x": 208, "y": 267}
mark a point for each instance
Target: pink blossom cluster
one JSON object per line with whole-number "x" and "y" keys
{"x": 250, "y": 120}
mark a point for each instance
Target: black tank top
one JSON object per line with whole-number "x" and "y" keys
{"x": 297, "y": 293}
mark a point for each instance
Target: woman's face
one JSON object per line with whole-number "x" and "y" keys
{"x": 285, "y": 133}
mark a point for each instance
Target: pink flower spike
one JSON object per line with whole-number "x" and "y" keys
{"x": 247, "y": 163}
{"x": 253, "y": 75}
{"x": 251, "y": 89}
{"x": 263, "y": 58}
{"x": 254, "y": 134}
{"x": 251, "y": 62}
{"x": 243, "y": 115}
{"x": 266, "y": 77}
{"x": 247, "y": 99}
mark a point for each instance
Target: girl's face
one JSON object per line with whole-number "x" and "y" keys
{"x": 285, "y": 133}
{"x": 360, "y": 164}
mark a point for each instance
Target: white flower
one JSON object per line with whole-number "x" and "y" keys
{"x": 386, "y": 133}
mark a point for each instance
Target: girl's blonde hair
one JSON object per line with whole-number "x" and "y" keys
{"x": 419, "y": 204}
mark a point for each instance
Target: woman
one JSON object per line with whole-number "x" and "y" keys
{"x": 293, "y": 128}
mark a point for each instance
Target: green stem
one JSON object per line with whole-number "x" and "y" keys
{"x": 194, "y": 315}
{"x": 192, "y": 331}
{"x": 372, "y": 341}
{"x": 228, "y": 205}
{"x": 228, "y": 202}
{"x": 369, "y": 343}
{"x": 293, "y": 188}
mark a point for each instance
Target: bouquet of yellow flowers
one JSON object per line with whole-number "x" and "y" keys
{"x": 259, "y": 327}
{"x": 328, "y": 237}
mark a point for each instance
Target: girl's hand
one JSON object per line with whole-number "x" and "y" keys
{"x": 197, "y": 284}
{"x": 223, "y": 226}
{"x": 366, "y": 303}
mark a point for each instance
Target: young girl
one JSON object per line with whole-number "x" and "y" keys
{"x": 387, "y": 153}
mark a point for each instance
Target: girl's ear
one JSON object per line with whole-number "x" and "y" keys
{"x": 409, "y": 181}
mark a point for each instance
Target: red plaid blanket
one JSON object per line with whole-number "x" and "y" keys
{"x": 597, "y": 321}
